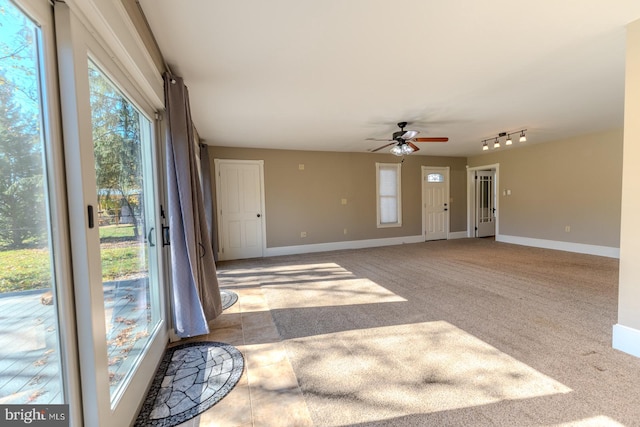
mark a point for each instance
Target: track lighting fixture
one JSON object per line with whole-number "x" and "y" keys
{"x": 523, "y": 138}
{"x": 508, "y": 141}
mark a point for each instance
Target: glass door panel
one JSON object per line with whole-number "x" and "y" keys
{"x": 30, "y": 352}
{"x": 125, "y": 216}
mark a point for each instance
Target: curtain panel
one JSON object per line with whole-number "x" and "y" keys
{"x": 195, "y": 290}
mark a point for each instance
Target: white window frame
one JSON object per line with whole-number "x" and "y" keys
{"x": 397, "y": 167}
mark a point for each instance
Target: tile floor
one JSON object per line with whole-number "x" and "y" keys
{"x": 268, "y": 392}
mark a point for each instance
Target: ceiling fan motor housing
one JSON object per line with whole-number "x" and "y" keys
{"x": 397, "y": 136}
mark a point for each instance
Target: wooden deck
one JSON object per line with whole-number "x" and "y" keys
{"x": 29, "y": 353}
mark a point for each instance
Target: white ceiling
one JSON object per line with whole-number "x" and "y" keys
{"x": 327, "y": 74}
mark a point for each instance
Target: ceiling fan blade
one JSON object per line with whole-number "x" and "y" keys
{"x": 378, "y": 139}
{"x": 432, "y": 139}
{"x": 410, "y": 134}
{"x": 384, "y": 146}
{"x": 412, "y": 145}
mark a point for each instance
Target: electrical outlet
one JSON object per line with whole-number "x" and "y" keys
{"x": 345, "y": 231}
{"x": 343, "y": 201}
{"x": 567, "y": 228}
{"x": 303, "y": 234}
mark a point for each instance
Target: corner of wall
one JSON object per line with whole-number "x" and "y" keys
{"x": 626, "y": 339}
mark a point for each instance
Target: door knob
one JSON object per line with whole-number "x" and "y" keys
{"x": 258, "y": 215}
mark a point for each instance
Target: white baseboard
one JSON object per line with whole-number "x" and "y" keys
{"x": 606, "y": 251}
{"x": 458, "y": 235}
{"x": 335, "y": 246}
{"x": 626, "y": 339}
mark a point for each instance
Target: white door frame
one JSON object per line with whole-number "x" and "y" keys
{"x": 471, "y": 197}
{"x": 260, "y": 164}
{"x": 445, "y": 171}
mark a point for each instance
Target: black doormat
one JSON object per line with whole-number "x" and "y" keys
{"x": 191, "y": 379}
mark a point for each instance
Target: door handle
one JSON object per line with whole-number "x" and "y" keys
{"x": 90, "y": 216}
{"x": 166, "y": 241}
{"x": 149, "y": 237}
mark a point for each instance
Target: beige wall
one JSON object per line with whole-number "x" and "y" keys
{"x": 575, "y": 182}
{"x": 629, "y": 291}
{"x": 310, "y": 199}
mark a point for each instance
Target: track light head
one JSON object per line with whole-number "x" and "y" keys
{"x": 523, "y": 138}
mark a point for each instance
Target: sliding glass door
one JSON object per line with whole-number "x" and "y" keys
{"x": 37, "y": 340}
{"x": 110, "y": 148}
{"x": 82, "y": 307}
{"x": 125, "y": 216}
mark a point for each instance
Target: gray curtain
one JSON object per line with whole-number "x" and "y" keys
{"x": 195, "y": 290}
{"x": 209, "y": 211}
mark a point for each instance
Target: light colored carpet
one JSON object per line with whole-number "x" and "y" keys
{"x": 450, "y": 333}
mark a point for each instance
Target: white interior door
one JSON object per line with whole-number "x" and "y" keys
{"x": 240, "y": 209}
{"x": 435, "y": 198}
{"x": 485, "y": 204}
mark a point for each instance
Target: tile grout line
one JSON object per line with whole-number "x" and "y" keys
{"x": 244, "y": 344}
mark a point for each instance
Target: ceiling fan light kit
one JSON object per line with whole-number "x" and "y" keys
{"x": 508, "y": 141}
{"x": 403, "y": 141}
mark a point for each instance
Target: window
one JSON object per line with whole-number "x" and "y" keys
{"x": 435, "y": 177}
{"x": 388, "y": 194}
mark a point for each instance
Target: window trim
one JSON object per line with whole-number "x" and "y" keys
{"x": 398, "y": 169}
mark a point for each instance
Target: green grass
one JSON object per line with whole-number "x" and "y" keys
{"x": 120, "y": 262}
{"x": 116, "y": 231}
{"x": 25, "y": 269}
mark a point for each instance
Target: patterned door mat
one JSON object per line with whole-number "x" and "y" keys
{"x": 228, "y": 298}
{"x": 191, "y": 378}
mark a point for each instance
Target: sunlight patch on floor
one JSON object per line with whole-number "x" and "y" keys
{"x": 313, "y": 285}
{"x": 598, "y": 421}
{"x": 393, "y": 371}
